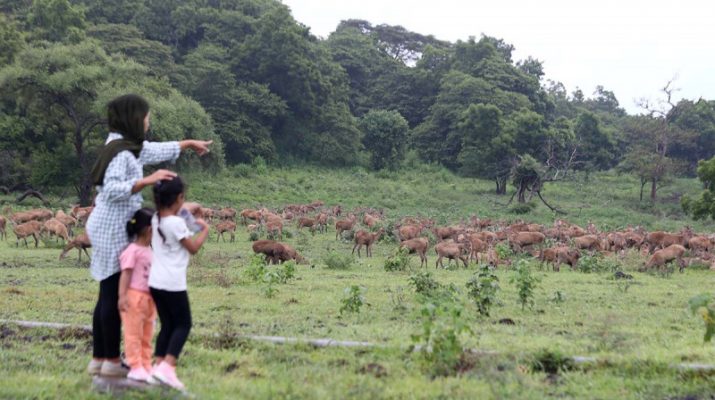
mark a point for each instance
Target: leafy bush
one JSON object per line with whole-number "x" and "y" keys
{"x": 551, "y": 362}
{"x": 423, "y": 283}
{"x": 525, "y": 283}
{"x": 287, "y": 272}
{"x": 256, "y": 269}
{"x": 597, "y": 263}
{"x": 482, "y": 289}
{"x": 353, "y": 300}
{"x": 253, "y": 236}
{"x": 337, "y": 260}
{"x": 523, "y": 208}
{"x": 398, "y": 261}
{"x": 440, "y": 346}
{"x": 703, "y": 305}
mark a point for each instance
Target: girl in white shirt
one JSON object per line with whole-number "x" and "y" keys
{"x": 172, "y": 243}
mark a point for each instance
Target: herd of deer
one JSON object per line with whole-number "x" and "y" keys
{"x": 474, "y": 239}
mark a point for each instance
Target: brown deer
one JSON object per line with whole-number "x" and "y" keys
{"x": 365, "y": 238}
{"x": 418, "y": 246}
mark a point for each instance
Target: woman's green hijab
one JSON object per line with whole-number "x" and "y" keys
{"x": 125, "y": 115}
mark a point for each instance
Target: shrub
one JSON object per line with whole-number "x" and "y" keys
{"x": 253, "y": 236}
{"x": 482, "y": 289}
{"x": 551, "y": 362}
{"x": 702, "y": 304}
{"x": 423, "y": 283}
{"x": 398, "y": 261}
{"x": 353, "y": 300}
{"x": 525, "y": 283}
{"x": 440, "y": 346}
{"x": 523, "y": 208}
{"x": 337, "y": 260}
{"x": 596, "y": 263}
{"x": 256, "y": 269}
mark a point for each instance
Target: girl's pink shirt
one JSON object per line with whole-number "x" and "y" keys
{"x": 138, "y": 259}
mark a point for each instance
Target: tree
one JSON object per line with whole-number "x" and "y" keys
{"x": 56, "y": 20}
{"x": 595, "y": 146}
{"x": 10, "y": 40}
{"x": 487, "y": 150}
{"x": 384, "y": 135}
{"x": 62, "y": 90}
{"x": 703, "y": 207}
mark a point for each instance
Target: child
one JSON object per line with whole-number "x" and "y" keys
{"x": 172, "y": 243}
{"x": 135, "y": 303}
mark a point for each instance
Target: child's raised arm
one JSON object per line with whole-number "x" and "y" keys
{"x": 193, "y": 244}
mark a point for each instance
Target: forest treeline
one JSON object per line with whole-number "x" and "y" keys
{"x": 247, "y": 75}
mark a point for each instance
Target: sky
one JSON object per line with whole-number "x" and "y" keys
{"x": 631, "y": 47}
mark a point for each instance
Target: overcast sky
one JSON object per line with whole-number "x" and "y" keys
{"x": 631, "y": 47}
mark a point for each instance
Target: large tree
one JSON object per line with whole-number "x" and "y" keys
{"x": 385, "y": 135}
{"x": 61, "y": 90}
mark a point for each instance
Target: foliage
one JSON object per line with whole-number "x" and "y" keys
{"x": 398, "y": 261}
{"x": 440, "y": 344}
{"x": 338, "y": 260}
{"x": 424, "y": 283}
{"x": 353, "y": 300}
{"x": 482, "y": 288}
{"x": 385, "y": 136}
{"x": 256, "y": 269}
{"x": 702, "y": 305}
{"x": 551, "y": 361}
{"x": 525, "y": 283}
{"x": 703, "y": 207}
{"x": 597, "y": 263}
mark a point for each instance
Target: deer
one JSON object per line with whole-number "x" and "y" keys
{"x": 365, "y": 238}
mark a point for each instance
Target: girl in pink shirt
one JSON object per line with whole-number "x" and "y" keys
{"x": 136, "y": 305}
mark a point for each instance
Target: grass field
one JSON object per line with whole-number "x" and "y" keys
{"x": 637, "y": 331}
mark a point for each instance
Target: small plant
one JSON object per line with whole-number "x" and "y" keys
{"x": 398, "y": 261}
{"x": 353, "y": 300}
{"x": 302, "y": 243}
{"x": 287, "y": 273}
{"x": 253, "y": 236}
{"x": 558, "y": 297}
{"x": 482, "y": 288}
{"x": 440, "y": 345}
{"x": 270, "y": 279}
{"x": 423, "y": 283}
{"x": 703, "y": 305}
{"x": 337, "y": 260}
{"x": 503, "y": 251}
{"x": 551, "y": 362}
{"x": 256, "y": 269}
{"x": 525, "y": 283}
{"x": 523, "y": 208}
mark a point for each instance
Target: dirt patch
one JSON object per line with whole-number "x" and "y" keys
{"x": 74, "y": 334}
{"x": 506, "y": 321}
{"x": 14, "y": 291}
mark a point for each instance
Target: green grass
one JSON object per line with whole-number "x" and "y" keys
{"x": 635, "y": 333}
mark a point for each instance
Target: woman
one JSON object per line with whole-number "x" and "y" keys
{"x": 118, "y": 176}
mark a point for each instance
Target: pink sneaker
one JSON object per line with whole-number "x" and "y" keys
{"x": 166, "y": 374}
{"x": 139, "y": 374}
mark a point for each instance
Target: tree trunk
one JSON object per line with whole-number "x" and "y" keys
{"x": 653, "y": 188}
{"x": 501, "y": 186}
{"x": 643, "y": 182}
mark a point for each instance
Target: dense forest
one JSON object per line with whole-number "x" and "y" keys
{"x": 247, "y": 75}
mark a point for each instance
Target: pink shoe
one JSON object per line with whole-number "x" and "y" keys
{"x": 139, "y": 374}
{"x": 166, "y": 374}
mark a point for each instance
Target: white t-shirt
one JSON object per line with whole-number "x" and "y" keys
{"x": 170, "y": 260}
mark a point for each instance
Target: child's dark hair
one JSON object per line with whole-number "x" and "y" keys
{"x": 140, "y": 221}
{"x": 166, "y": 192}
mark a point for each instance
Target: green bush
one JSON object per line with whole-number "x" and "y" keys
{"x": 424, "y": 283}
{"x": 523, "y": 208}
{"x": 354, "y": 299}
{"x": 525, "y": 283}
{"x": 256, "y": 269}
{"x": 338, "y": 260}
{"x": 440, "y": 345}
{"x": 398, "y": 261}
{"x": 482, "y": 288}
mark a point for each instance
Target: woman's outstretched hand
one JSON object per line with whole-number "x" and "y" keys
{"x": 201, "y": 147}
